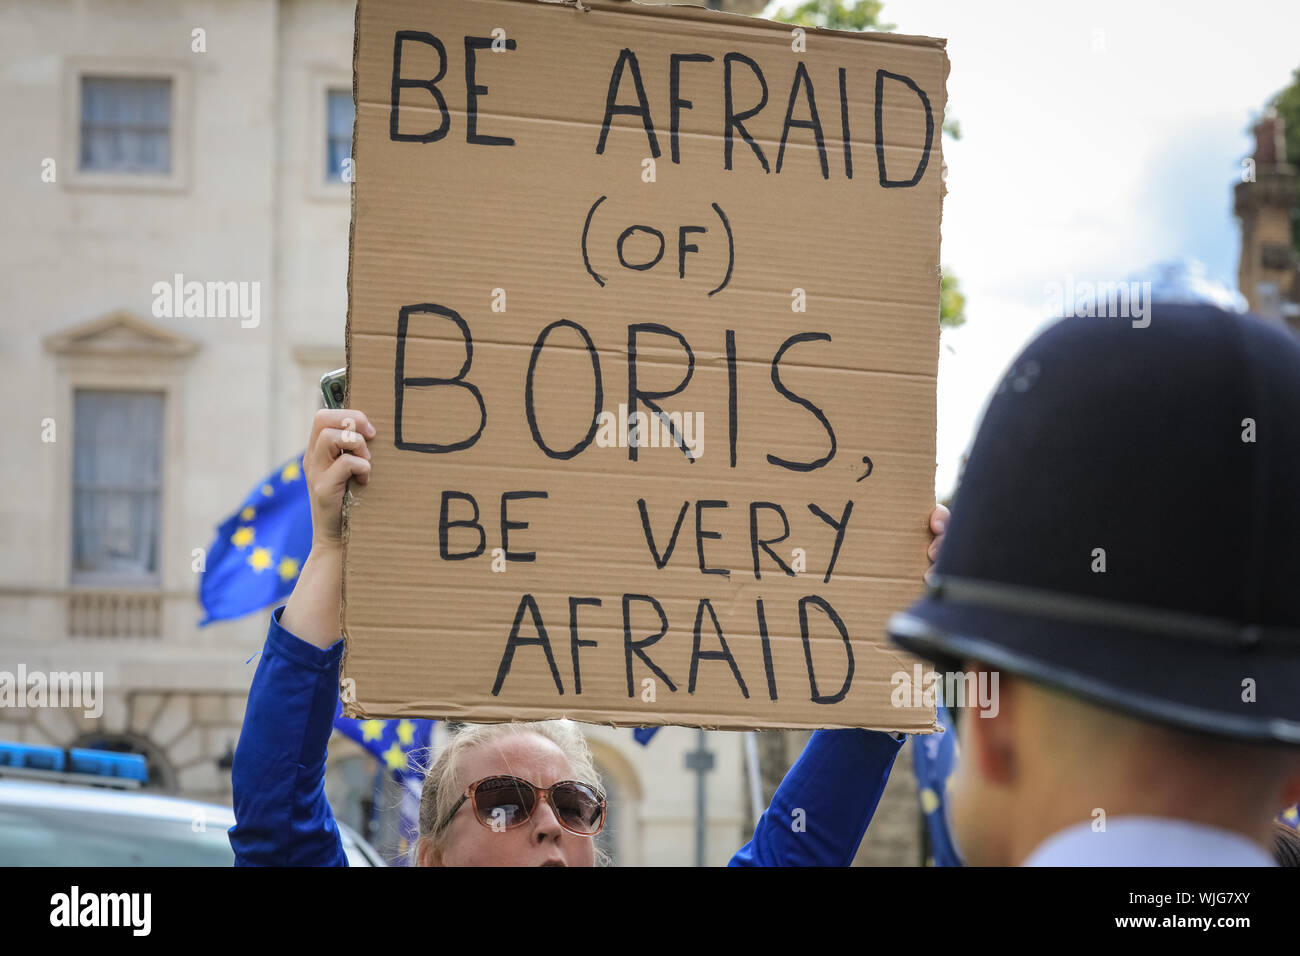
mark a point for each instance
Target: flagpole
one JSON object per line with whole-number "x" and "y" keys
{"x": 752, "y": 772}
{"x": 699, "y": 760}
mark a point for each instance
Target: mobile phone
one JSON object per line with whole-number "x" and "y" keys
{"x": 334, "y": 386}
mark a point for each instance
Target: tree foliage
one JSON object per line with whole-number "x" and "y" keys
{"x": 837, "y": 15}
{"x": 952, "y": 303}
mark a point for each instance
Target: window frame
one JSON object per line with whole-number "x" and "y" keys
{"x": 111, "y": 579}
{"x": 124, "y": 352}
{"x": 178, "y": 178}
{"x": 330, "y": 93}
{"x": 317, "y": 155}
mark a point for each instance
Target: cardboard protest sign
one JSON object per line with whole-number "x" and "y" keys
{"x": 644, "y": 306}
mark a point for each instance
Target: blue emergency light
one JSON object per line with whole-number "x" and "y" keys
{"x": 52, "y": 763}
{"x": 107, "y": 763}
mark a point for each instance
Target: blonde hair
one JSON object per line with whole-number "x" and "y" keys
{"x": 442, "y": 787}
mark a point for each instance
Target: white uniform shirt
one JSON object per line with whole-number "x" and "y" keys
{"x": 1148, "y": 841}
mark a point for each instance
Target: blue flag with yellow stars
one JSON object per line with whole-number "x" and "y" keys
{"x": 392, "y": 742}
{"x": 254, "y": 560}
{"x": 933, "y": 759}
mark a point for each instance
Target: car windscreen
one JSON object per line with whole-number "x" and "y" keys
{"x": 59, "y": 836}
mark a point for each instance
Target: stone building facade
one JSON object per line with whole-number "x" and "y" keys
{"x": 146, "y": 140}
{"x": 1265, "y": 202}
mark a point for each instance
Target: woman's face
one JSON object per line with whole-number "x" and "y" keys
{"x": 539, "y": 842}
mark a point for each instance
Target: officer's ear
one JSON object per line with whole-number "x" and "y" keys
{"x": 988, "y": 735}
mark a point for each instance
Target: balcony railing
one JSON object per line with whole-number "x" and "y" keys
{"x": 114, "y": 613}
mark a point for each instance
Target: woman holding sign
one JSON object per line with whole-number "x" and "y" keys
{"x": 524, "y": 794}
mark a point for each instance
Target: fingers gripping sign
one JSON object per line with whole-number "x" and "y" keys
{"x": 938, "y": 523}
{"x": 338, "y": 451}
{"x": 349, "y": 436}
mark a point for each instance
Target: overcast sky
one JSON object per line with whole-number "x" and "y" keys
{"x": 1097, "y": 139}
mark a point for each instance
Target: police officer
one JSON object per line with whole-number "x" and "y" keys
{"x": 1122, "y": 554}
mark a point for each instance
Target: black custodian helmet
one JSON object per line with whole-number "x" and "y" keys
{"x": 1127, "y": 527}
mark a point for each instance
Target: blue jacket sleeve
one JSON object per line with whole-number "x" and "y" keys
{"x": 281, "y": 815}
{"x": 822, "y": 808}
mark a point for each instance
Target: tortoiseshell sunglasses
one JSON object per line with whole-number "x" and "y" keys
{"x": 503, "y": 802}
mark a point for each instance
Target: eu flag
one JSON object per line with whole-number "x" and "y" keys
{"x": 253, "y": 563}
{"x": 392, "y": 742}
{"x": 254, "y": 560}
{"x": 933, "y": 759}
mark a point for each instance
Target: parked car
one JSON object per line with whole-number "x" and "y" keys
{"x": 88, "y": 811}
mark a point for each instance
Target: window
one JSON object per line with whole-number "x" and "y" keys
{"x": 126, "y": 125}
{"x": 116, "y": 485}
{"x": 339, "y": 114}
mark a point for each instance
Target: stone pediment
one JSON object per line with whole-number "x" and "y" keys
{"x": 120, "y": 333}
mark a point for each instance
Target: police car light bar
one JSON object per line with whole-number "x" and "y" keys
{"x": 103, "y": 768}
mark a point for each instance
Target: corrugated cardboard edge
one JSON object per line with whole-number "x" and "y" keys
{"x": 902, "y": 659}
{"x": 693, "y": 11}
{"x": 676, "y": 11}
{"x": 350, "y": 708}
{"x": 688, "y": 720}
